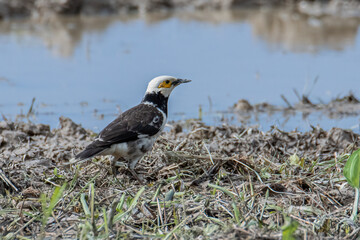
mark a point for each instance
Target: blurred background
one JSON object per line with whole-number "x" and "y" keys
{"x": 292, "y": 64}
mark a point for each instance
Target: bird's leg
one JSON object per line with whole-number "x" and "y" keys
{"x": 113, "y": 166}
{"x": 116, "y": 162}
{"x": 140, "y": 180}
{"x": 131, "y": 167}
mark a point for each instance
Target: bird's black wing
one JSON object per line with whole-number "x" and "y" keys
{"x": 140, "y": 121}
{"x": 135, "y": 122}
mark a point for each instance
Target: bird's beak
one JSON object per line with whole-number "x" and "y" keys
{"x": 180, "y": 81}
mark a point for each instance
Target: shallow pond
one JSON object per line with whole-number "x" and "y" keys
{"x": 91, "y": 68}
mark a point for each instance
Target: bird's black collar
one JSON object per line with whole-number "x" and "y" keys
{"x": 158, "y": 99}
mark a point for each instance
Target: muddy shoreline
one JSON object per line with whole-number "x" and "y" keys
{"x": 267, "y": 171}
{"x": 337, "y": 108}
{"x": 36, "y": 8}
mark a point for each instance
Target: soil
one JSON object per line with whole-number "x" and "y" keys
{"x": 201, "y": 181}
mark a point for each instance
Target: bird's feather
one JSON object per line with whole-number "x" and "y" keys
{"x": 140, "y": 121}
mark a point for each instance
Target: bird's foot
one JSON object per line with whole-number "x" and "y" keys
{"x": 115, "y": 167}
{"x": 140, "y": 180}
{"x": 114, "y": 170}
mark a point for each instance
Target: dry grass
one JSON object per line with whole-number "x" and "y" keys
{"x": 202, "y": 183}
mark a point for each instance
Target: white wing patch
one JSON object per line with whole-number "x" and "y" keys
{"x": 99, "y": 139}
{"x": 143, "y": 136}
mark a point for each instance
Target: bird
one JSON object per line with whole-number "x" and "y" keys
{"x": 133, "y": 133}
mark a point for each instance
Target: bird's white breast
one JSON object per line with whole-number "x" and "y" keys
{"x": 132, "y": 149}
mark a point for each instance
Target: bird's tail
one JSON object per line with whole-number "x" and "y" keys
{"x": 88, "y": 153}
{"x": 84, "y": 156}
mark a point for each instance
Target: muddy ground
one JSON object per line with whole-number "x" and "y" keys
{"x": 337, "y": 108}
{"x": 201, "y": 182}
{"x": 35, "y": 8}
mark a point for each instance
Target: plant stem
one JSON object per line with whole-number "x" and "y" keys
{"x": 356, "y": 204}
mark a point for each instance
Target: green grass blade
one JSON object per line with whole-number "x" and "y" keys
{"x": 352, "y": 169}
{"x": 56, "y": 197}
{"x": 57, "y": 194}
{"x": 84, "y": 205}
{"x": 106, "y": 223}
{"x": 120, "y": 205}
{"x": 134, "y": 201}
{"x": 227, "y": 192}
{"x": 289, "y": 229}
{"x": 168, "y": 236}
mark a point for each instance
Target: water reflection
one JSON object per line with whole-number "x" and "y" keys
{"x": 284, "y": 28}
{"x": 255, "y": 52}
{"x": 61, "y": 35}
{"x": 302, "y": 33}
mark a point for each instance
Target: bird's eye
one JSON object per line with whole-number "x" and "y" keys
{"x": 163, "y": 84}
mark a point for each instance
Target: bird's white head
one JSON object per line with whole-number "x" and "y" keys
{"x": 164, "y": 84}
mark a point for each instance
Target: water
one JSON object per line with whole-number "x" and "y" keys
{"x": 90, "y": 68}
